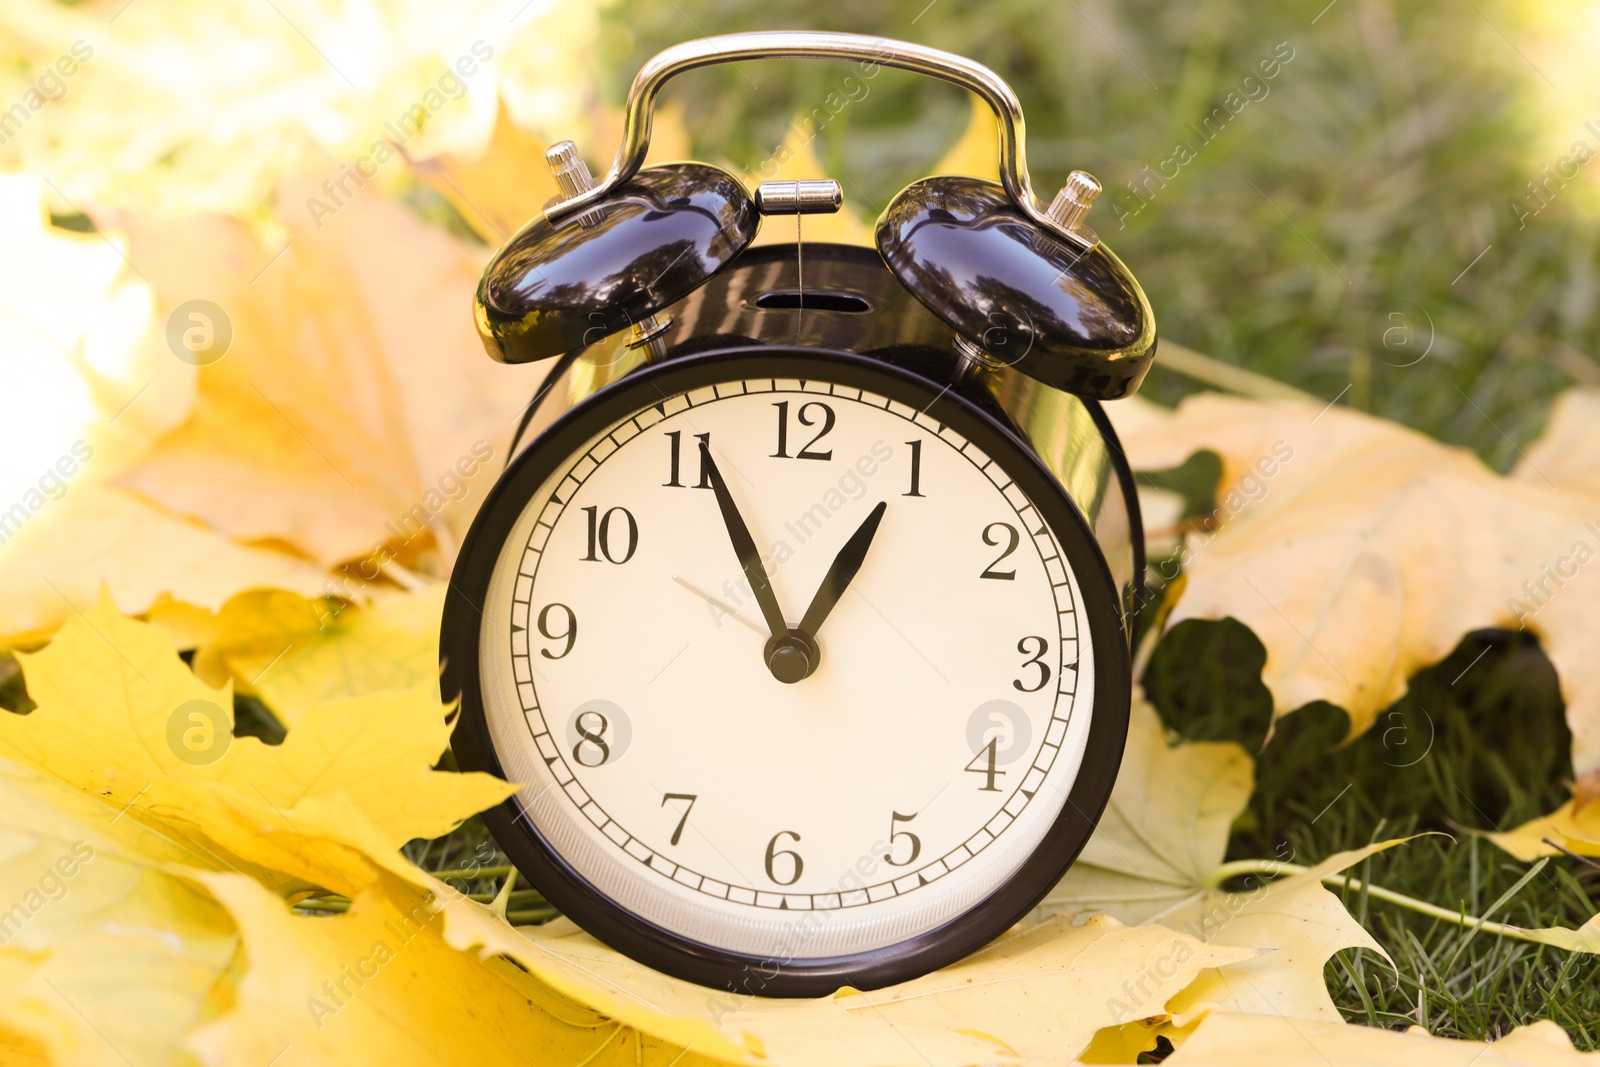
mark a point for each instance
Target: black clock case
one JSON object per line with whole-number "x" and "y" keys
{"x": 852, "y": 312}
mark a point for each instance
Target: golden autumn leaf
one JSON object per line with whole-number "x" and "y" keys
{"x": 1165, "y": 828}
{"x": 261, "y": 88}
{"x": 296, "y": 652}
{"x": 1359, "y": 552}
{"x": 502, "y": 187}
{"x": 108, "y": 951}
{"x": 90, "y": 384}
{"x": 1300, "y": 924}
{"x": 508, "y": 183}
{"x": 379, "y": 984}
{"x": 1015, "y": 988}
{"x": 103, "y": 538}
{"x": 355, "y": 413}
{"x": 1567, "y": 455}
{"x": 1001, "y": 1005}
{"x": 1157, "y": 858}
{"x": 120, "y": 716}
{"x": 1224, "y": 1040}
{"x": 1569, "y": 828}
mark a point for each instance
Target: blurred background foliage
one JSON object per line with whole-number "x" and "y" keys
{"x": 1320, "y": 237}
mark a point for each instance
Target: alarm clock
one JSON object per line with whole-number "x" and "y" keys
{"x": 805, "y": 631}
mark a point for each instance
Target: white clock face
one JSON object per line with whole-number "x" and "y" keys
{"x": 879, "y": 776}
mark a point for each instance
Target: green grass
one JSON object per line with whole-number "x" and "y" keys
{"x": 1482, "y": 753}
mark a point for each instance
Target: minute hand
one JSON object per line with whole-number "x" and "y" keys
{"x": 744, "y": 547}
{"x": 845, "y": 566}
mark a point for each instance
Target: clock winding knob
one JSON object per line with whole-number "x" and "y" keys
{"x": 572, "y": 173}
{"x": 1072, "y": 203}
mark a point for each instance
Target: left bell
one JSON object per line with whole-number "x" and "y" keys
{"x": 556, "y": 287}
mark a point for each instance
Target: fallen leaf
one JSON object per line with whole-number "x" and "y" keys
{"x": 1585, "y": 938}
{"x": 87, "y": 375}
{"x": 1157, "y": 858}
{"x": 355, "y": 414}
{"x": 120, "y": 715}
{"x": 1570, "y": 827}
{"x": 1360, "y": 551}
{"x": 502, "y": 187}
{"x": 1298, "y": 923}
{"x": 1567, "y": 454}
{"x": 102, "y": 538}
{"x": 108, "y": 953}
{"x": 296, "y": 652}
{"x": 1014, "y": 989}
{"x": 90, "y": 383}
{"x": 1000, "y": 1005}
{"x": 262, "y": 88}
{"x": 1268, "y": 1041}
{"x": 379, "y": 984}
{"x": 1165, "y": 828}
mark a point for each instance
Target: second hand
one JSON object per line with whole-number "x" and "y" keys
{"x": 726, "y": 609}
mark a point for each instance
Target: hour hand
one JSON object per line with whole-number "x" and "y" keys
{"x": 844, "y": 568}
{"x": 744, "y": 547}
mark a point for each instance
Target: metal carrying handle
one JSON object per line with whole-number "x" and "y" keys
{"x": 1062, "y": 218}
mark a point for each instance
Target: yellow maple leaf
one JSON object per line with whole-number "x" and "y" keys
{"x": 262, "y": 88}
{"x": 502, "y": 187}
{"x": 355, "y": 413}
{"x": 1297, "y": 921}
{"x": 1360, "y": 551}
{"x": 90, "y": 383}
{"x": 1156, "y": 857}
{"x": 1165, "y": 828}
{"x": 108, "y": 949}
{"x": 1569, "y": 828}
{"x": 379, "y": 984}
{"x": 121, "y": 716}
{"x": 1013, "y": 988}
{"x": 296, "y": 652}
{"x": 1226, "y": 1040}
{"x": 1000, "y": 1005}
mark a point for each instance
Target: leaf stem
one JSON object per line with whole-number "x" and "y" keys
{"x": 1240, "y": 868}
{"x": 335, "y": 902}
{"x": 472, "y": 875}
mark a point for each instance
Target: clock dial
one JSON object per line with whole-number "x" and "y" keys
{"x": 788, "y": 668}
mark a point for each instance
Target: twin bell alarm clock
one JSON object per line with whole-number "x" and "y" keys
{"x": 805, "y": 630}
